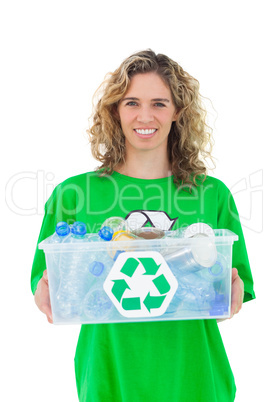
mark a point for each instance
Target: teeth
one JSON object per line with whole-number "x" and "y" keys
{"x": 147, "y": 131}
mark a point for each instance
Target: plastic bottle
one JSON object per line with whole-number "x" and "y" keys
{"x": 203, "y": 248}
{"x": 97, "y": 305}
{"x": 217, "y": 271}
{"x": 116, "y": 229}
{"x": 193, "y": 294}
{"x": 62, "y": 230}
{"x": 112, "y": 225}
{"x": 99, "y": 265}
{"x": 93, "y": 237}
{"x": 73, "y": 268}
{"x": 195, "y": 290}
{"x": 182, "y": 262}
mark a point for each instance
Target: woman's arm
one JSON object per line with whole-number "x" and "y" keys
{"x": 42, "y": 298}
{"x": 237, "y": 293}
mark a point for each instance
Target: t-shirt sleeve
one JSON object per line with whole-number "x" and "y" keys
{"x": 228, "y": 218}
{"x": 61, "y": 206}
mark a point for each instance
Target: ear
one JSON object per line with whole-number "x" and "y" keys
{"x": 115, "y": 111}
{"x": 176, "y": 114}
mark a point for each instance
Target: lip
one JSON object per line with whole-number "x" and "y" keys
{"x": 145, "y": 135}
{"x": 145, "y": 128}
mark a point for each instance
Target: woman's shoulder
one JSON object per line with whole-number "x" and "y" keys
{"x": 72, "y": 186}
{"x": 213, "y": 187}
{"x": 80, "y": 179}
{"x": 213, "y": 182}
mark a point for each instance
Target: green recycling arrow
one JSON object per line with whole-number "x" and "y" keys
{"x": 153, "y": 301}
{"x": 119, "y": 287}
{"x": 131, "y": 303}
{"x": 130, "y": 266}
{"x": 149, "y": 265}
{"x": 162, "y": 284}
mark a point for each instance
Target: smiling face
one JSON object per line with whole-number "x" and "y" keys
{"x": 146, "y": 113}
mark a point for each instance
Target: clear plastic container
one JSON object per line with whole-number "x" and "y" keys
{"x": 166, "y": 278}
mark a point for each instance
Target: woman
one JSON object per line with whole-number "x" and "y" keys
{"x": 149, "y": 133}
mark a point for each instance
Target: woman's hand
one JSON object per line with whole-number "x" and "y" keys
{"x": 42, "y": 298}
{"x": 237, "y": 293}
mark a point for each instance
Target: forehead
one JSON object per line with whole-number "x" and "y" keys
{"x": 149, "y": 84}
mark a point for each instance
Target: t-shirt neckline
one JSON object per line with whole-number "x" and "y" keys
{"x": 141, "y": 181}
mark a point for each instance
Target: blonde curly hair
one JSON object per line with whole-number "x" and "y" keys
{"x": 190, "y": 138}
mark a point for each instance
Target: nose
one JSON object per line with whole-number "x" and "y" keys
{"x": 145, "y": 115}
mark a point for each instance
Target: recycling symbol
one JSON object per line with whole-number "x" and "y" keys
{"x": 140, "y": 284}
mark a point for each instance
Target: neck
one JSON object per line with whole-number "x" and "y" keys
{"x": 145, "y": 166}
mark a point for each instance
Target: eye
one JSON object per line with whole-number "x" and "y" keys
{"x": 131, "y": 103}
{"x": 159, "y": 104}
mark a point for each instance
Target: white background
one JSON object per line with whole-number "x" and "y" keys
{"x": 54, "y": 54}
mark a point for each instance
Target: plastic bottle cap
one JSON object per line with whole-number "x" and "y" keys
{"x": 96, "y": 268}
{"x": 123, "y": 235}
{"x": 62, "y": 229}
{"x": 118, "y": 231}
{"x": 79, "y": 229}
{"x": 106, "y": 233}
{"x": 216, "y": 269}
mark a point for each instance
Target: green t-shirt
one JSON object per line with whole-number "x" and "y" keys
{"x": 148, "y": 361}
